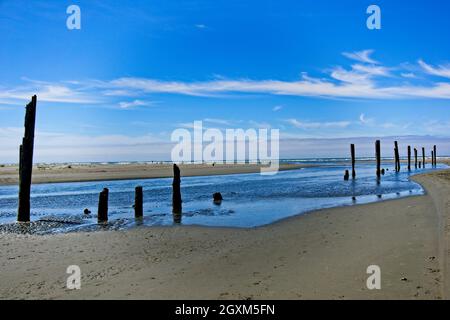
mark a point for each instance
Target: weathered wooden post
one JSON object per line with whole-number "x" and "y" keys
{"x": 378, "y": 157}
{"x": 26, "y": 162}
{"x": 432, "y": 158}
{"x": 352, "y": 151}
{"x": 397, "y": 157}
{"x": 409, "y": 158}
{"x": 415, "y": 158}
{"x": 103, "y": 206}
{"x": 423, "y": 157}
{"x": 435, "y": 155}
{"x": 346, "y": 175}
{"x": 138, "y": 202}
{"x": 176, "y": 194}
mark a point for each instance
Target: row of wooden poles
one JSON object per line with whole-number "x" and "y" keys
{"x": 102, "y": 215}
{"x": 26, "y": 168}
{"x": 380, "y": 171}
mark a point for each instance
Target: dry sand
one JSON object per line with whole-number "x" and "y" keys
{"x": 319, "y": 255}
{"x": 9, "y": 175}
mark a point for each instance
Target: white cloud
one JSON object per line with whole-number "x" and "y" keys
{"x": 397, "y": 126}
{"x": 364, "y": 120}
{"x": 440, "y": 70}
{"x": 408, "y": 75}
{"x": 361, "y": 56}
{"x": 317, "y": 125}
{"x": 317, "y": 88}
{"x": 359, "y": 74}
{"x": 59, "y": 147}
{"x": 350, "y": 84}
{"x": 49, "y": 92}
{"x": 371, "y": 71}
{"x": 440, "y": 90}
{"x": 347, "y": 76}
{"x": 135, "y": 103}
{"x": 277, "y": 108}
{"x": 211, "y": 123}
{"x": 63, "y": 147}
{"x": 219, "y": 121}
{"x": 359, "y": 81}
{"x": 437, "y": 126}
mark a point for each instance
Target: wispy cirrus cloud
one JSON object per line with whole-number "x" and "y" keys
{"x": 59, "y": 147}
{"x": 50, "y": 92}
{"x": 277, "y": 108}
{"x": 209, "y": 123}
{"x": 350, "y": 85}
{"x": 364, "y": 120}
{"x": 317, "y": 125}
{"x": 367, "y": 79}
{"x": 359, "y": 74}
{"x": 361, "y": 56}
{"x": 440, "y": 70}
{"x": 134, "y": 104}
{"x": 408, "y": 75}
{"x": 361, "y": 80}
{"x": 219, "y": 121}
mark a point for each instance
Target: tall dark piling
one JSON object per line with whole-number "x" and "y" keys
{"x": 397, "y": 157}
{"x": 138, "y": 202}
{"x": 423, "y": 157}
{"x": 415, "y": 158}
{"x": 352, "y": 151}
{"x": 432, "y": 158}
{"x": 176, "y": 194}
{"x": 435, "y": 155}
{"x": 26, "y": 162}
{"x": 378, "y": 157}
{"x": 409, "y": 158}
{"x": 102, "y": 215}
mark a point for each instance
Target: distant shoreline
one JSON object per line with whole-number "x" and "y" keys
{"x": 133, "y": 171}
{"x": 91, "y": 172}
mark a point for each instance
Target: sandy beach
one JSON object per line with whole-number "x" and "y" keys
{"x": 224, "y": 150}
{"x": 321, "y": 255}
{"x": 9, "y": 175}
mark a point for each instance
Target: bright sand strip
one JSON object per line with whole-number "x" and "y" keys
{"x": 320, "y": 255}
{"x": 9, "y": 175}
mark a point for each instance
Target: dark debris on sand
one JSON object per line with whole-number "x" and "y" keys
{"x": 47, "y": 224}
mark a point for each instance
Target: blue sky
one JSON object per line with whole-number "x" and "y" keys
{"x": 117, "y": 88}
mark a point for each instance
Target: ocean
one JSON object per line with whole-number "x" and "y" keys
{"x": 250, "y": 200}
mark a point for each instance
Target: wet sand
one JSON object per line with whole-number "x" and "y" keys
{"x": 321, "y": 255}
{"x": 9, "y": 175}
